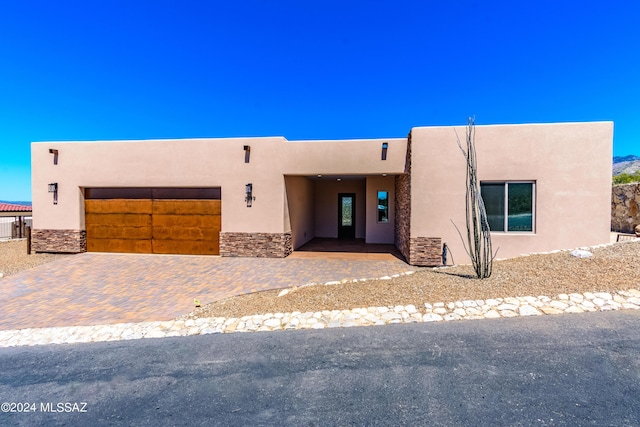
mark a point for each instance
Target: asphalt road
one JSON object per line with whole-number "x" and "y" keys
{"x": 549, "y": 370}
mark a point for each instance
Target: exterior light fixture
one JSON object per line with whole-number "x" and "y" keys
{"x": 249, "y": 194}
{"x": 247, "y": 153}
{"x": 319, "y": 176}
{"x": 55, "y": 155}
{"x": 385, "y": 145}
{"x": 53, "y": 188}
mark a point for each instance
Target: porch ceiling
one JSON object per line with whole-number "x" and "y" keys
{"x": 322, "y": 177}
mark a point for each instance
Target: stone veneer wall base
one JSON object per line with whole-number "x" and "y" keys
{"x": 425, "y": 251}
{"x": 267, "y": 245}
{"x": 58, "y": 241}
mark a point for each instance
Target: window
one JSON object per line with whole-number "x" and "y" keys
{"x": 517, "y": 199}
{"x": 383, "y": 206}
{"x": 347, "y": 211}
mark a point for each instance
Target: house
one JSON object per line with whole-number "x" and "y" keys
{"x": 14, "y": 218}
{"x": 545, "y": 186}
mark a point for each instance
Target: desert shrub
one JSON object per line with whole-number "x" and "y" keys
{"x": 625, "y": 178}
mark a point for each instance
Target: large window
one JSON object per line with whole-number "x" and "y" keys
{"x": 383, "y": 206}
{"x": 510, "y": 205}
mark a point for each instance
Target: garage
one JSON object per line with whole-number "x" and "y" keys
{"x": 153, "y": 220}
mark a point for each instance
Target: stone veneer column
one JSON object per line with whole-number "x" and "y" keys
{"x": 426, "y": 251}
{"x": 402, "y": 226}
{"x": 267, "y": 245}
{"x": 420, "y": 251}
{"x": 68, "y": 241}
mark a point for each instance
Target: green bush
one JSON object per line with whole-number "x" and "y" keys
{"x": 625, "y": 178}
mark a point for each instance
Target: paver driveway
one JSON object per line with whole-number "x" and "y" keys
{"x": 98, "y": 288}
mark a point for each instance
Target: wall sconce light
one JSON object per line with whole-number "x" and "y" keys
{"x": 247, "y": 153}
{"x": 384, "y": 150}
{"x": 55, "y": 155}
{"x": 53, "y": 188}
{"x": 249, "y": 195}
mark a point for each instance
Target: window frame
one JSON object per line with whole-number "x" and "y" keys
{"x": 378, "y": 207}
{"x": 505, "y": 184}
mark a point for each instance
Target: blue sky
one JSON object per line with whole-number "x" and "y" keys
{"x": 326, "y": 69}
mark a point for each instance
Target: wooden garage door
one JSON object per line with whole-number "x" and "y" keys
{"x": 163, "y": 226}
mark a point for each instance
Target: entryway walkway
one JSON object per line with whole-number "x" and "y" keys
{"x": 354, "y": 249}
{"x": 100, "y": 288}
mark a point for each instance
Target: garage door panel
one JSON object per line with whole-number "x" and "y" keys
{"x": 120, "y": 219}
{"x": 186, "y": 207}
{"x": 118, "y": 206}
{"x": 187, "y": 247}
{"x": 204, "y": 221}
{"x": 118, "y": 232}
{"x": 119, "y": 245}
{"x": 185, "y": 233}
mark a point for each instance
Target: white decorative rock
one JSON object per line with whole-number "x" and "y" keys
{"x": 492, "y": 314}
{"x": 581, "y": 253}
{"x": 551, "y": 310}
{"x": 460, "y": 312}
{"x": 559, "y": 305}
{"x": 510, "y": 307}
{"x": 473, "y": 311}
{"x": 272, "y": 323}
{"x": 527, "y": 310}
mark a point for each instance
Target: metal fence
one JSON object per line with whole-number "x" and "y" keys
{"x": 14, "y": 227}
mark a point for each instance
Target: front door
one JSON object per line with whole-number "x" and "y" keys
{"x": 346, "y": 216}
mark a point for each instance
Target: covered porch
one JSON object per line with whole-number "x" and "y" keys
{"x": 339, "y": 214}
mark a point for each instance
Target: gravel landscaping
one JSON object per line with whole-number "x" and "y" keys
{"x": 14, "y": 258}
{"x": 612, "y": 268}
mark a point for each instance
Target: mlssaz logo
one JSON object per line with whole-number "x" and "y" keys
{"x": 63, "y": 407}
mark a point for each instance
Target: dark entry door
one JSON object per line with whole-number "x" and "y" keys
{"x": 346, "y": 216}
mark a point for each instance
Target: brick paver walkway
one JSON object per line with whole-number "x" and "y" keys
{"x": 96, "y": 288}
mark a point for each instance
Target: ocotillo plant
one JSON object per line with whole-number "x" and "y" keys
{"x": 478, "y": 245}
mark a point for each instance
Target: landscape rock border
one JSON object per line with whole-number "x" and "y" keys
{"x": 434, "y": 312}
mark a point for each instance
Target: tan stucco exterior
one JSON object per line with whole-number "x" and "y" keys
{"x": 199, "y": 163}
{"x": 570, "y": 164}
{"x": 295, "y": 184}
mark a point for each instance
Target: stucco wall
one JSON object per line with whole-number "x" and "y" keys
{"x": 625, "y": 207}
{"x": 346, "y": 157}
{"x": 183, "y": 163}
{"x": 379, "y": 232}
{"x": 570, "y": 163}
{"x": 200, "y": 163}
{"x": 301, "y": 207}
{"x": 326, "y": 202}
